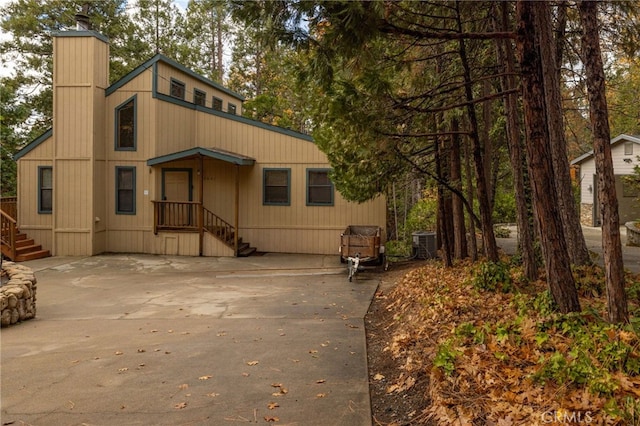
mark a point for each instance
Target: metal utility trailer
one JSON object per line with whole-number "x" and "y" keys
{"x": 363, "y": 241}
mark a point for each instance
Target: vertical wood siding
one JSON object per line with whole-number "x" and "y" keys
{"x": 85, "y": 161}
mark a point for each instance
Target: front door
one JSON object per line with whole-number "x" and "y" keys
{"x": 176, "y": 186}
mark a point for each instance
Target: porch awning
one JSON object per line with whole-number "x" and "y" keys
{"x": 215, "y": 153}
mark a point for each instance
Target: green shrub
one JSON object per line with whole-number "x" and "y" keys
{"x": 493, "y": 276}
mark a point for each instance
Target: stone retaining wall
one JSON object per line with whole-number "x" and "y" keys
{"x": 18, "y": 294}
{"x": 633, "y": 234}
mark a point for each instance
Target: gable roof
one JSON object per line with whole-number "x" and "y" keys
{"x": 614, "y": 141}
{"x": 215, "y": 153}
{"x": 33, "y": 144}
{"x": 161, "y": 58}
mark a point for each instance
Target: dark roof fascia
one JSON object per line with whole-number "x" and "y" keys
{"x": 229, "y": 157}
{"x": 234, "y": 117}
{"x": 133, "y": 74}
{"x": 161, "y": 58}
{"x": 197, "y": 76}
{"x": 84, "y": 33}
{"x": 581, "y": 159}
{"x": 33, "y": 144}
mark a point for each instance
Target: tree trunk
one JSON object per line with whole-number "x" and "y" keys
{"x": 578, "y": 251}
{"x": 488, "y": 236}
{"x": 457, "y": 208}
{"x": 516, "y": 156}
{"x": 473, "y": 243}
{"x": 599, "y": 115}
{"x": 558, "y": 268}
{"x": 443, "y": 222}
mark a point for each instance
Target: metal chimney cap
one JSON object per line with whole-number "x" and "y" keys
{"x": 82, "y": 18}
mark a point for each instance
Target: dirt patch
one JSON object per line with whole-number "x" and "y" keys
{"x": 390, "y": 407}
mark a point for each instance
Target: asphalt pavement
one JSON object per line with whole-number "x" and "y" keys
{"x": 593, "y": 239}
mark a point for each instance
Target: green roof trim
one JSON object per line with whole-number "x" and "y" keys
{"x": 215, "y": 153}
{"x": 33, "y": 144}
{"x": 239, "y": 118}
{"x": 83, "y": 33}
{"x": 161, "y": 58}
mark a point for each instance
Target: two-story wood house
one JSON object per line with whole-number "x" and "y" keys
{"x": 163, "y": 162}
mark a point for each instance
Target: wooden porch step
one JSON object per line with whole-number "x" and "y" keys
{"x": 23, "y": 242}
{"x": 245, "y": 250}
{"x": 26, "y": 249}
{"x": 32, "y": 255}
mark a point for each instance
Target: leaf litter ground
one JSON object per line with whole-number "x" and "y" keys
{"x": 440, "y": 351}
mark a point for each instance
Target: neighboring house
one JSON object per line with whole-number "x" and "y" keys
{"x": 625, "y": 150}
{"x": 163, "y": 162}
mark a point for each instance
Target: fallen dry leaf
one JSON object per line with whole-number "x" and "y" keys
{"x": 321, "y": 395}
{"x": 122, "y": 370}
{"x": 183, "y": 386}
{"x": 213, "y": 394}
{"x": 271, "y": 419}
{"x": 320, "y": 381}
{"x": 252, "y": 363}
{"x": 378, "y": 376}
{"x": 180, "y": 406}
{"x": 119, "y": 353}
{"x": 273, "y": 405}
{"x": 204, "y": 377}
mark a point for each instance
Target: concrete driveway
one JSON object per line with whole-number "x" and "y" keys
{"x": 157, "y": 340}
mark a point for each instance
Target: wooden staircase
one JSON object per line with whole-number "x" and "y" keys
{"x": 15, "y": 245}
{"x": 26, "y": 249}
{"x": 226, "y": 233}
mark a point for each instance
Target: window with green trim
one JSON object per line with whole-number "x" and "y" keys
{"x": 216, "y": 103}
{"x": 45, "y": 189}
{"x": 126, "y": 125}
{"x": 178, "y": 89}
{"x": 199, "y": 97}
{"x": 125, "y": 190}
{"x": 277, "y": 187}
{"x": 319, "y": 188}
{"x": 231, "y": 109}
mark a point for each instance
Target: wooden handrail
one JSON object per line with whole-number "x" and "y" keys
{"x": 219, "y": 228}
{"x": 9, "y": 205}
{"x": 175, "y": 215}
{"x": 8, "y": 231}
{"x": 185, "y": 216}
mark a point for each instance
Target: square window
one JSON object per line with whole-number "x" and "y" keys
{"x": 276, "y": 188}
{"x": 628, "y": 148}
{"x": 319, "y": 188}
{"x": 125, "y": 190}
{"x": 199, "y": 97}
{"x": 178, "y": 89}
{"x": 231, "y": 109}
{"x": 216, "y": 104}
{"x": 126, "y": 126}
{"x": 45, "y": 189}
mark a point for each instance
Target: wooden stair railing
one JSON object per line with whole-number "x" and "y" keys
{"x": 218, "y": 227}
{"x": 184, "y": 216}
{"x": 8, "y": 232}
{"x": 15, "y": 245}
{"x": 225, "y": 232}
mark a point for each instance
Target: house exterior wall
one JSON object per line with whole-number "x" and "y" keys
{"x": 166, "y": 72}
{"x": 83, "y": 154}
{"x": 628, "y": 207}
{"x": 39, "y": 226}
{"x": 132, "y": 233}
{"x": 80, "y": 78}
